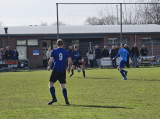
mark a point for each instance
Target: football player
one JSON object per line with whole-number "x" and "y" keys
{"x": 77, "y": 60}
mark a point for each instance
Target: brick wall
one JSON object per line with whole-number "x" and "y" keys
{"x": 34, "y": 60}
{"x": 156, "y": 48}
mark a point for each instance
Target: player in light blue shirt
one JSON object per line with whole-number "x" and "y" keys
{"x": 123, "y": 54}
{"x": 60, "y": 56}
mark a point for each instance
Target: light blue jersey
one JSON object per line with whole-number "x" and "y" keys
{"x": 123, "y": 54}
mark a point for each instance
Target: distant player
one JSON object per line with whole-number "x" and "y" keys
{"x": 77, "y": 60}
{"x": 59, "y": 70}
{"x": 123, "y": 54}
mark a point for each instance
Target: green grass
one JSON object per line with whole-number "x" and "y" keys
{"x": 101, "y": 95}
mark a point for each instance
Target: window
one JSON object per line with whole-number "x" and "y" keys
{"x": 116, "y": 41}
{"x": 113, "y": 41}
{"x": 21, "y": 42}
{"x": 125, "y": 40}
{"x": 156, "y": 40}
{"x": 32, "y": 42}
{"x": 22, "y": 52}
{"x": 54, "y": 44}
{"x": 75, "y": 42}
{"x": 146, "y": 40}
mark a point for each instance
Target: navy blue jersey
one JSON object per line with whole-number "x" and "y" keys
{"x": 60, "y": 56}
{"x": 76, "y": 55}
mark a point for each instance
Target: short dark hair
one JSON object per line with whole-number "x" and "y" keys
{"x": 75, "y": 46}
{"x": 60, "y": 42}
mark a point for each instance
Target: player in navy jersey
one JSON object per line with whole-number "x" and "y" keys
{"x": 77, "y": 60}
{"x": 123, "y": 54}
{"x": 59, "y": 70}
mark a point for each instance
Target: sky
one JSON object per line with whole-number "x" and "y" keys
{"x": 32, "y": 12}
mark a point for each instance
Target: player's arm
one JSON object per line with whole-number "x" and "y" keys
{"x": 50, "y": 63}
{"x": 69, "y": 65}
{"x": 117, "y": 55}
{"x": 80, "y": 56}
{"x": 130, "y": 56}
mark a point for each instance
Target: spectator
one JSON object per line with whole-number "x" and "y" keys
{"x": 117, "y": 48}
{"x": 127, "y": 63}
{"x": 113, "y": 54}
{"x": 105, "y": 52}
{"x": 144, "y": 51}
{"x": 135, "y": 55}
{"x": 8, "y": 53}
{"x": 90, "y": 58}
{"x": 3, "y": 53}
{"x": 15, "y": 54}
{"x": 0, "y": 55}
{"x": 48, "y": 54}
{"x": 98, "y": 55}
{"x": 70, "y": 51}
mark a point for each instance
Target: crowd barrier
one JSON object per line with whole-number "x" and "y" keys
{"x": 142, "y": 60}
{"x": 14, "y": 64}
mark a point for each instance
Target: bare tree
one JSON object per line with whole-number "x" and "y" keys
{"x": 92, "y": 21}
{"x": 131, "y": 14}
{"x": 60, "y": 23}
{"x": 108, "y": 20}
{"x": 150, "y": 13}
{"x": 43, "y": 23}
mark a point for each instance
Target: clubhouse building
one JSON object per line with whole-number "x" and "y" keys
{"x": 32, "y": 42}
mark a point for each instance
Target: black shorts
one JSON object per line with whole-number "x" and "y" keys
{"x": 77, "y": 64}
{"x": 60, "y": 76}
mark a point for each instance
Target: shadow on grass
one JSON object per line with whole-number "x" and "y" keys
{"x": 152, "y": 80}
{"x": 4, "y": 71}
{"x": 97, "y": 106}
{"x": 145, "y": 80}
{"x": 93, "y": 78}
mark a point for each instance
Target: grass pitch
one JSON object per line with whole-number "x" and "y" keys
{"x": 101, "y": 95}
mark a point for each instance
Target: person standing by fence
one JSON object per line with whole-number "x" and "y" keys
{"x": 127, "y": 63}
{"x": 135, "y": 55}
{"x": 48, "y": 54}
{"x": 113, "y": 54}
{"x": 70, "y": 51}
{"x": 98, "y": 55}
{"x": 3, "y": 53}
{"x": 0, "y": 55}
{"x": 8, "y": 54}
{"x": 105, "y": 52}
{"x": 15, "y": 54}
{"x": 144, "y": 51}
{"x": 90, "y": 56}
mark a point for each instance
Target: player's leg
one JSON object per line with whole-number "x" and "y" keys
{"x": 64, "y": 91}
{"x": 120, "y": 68}
{"x": 52, "y": 91}
{"x": 53, "y": 79}
{"x": 62, "y": 80}
{"x": 82, "y": 68}
{"x": 72, "y": 70}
